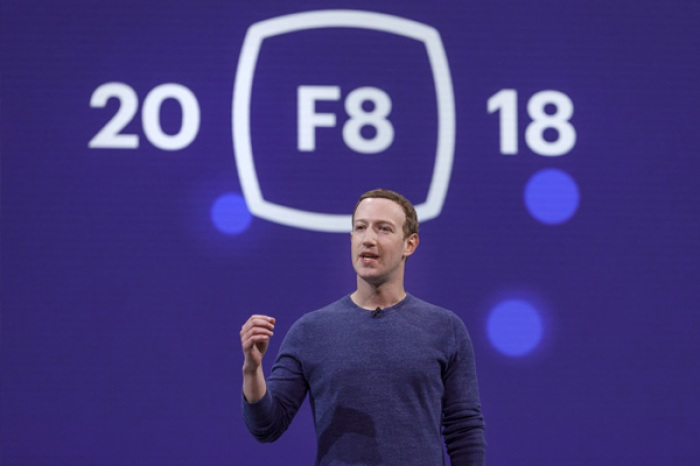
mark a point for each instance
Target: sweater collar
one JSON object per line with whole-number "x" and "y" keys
{"x": 385, "y": 310}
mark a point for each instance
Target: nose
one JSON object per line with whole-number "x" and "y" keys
{"x": 370, "y": 237}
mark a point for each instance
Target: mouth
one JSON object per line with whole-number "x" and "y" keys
{"x": 368, "y": 257}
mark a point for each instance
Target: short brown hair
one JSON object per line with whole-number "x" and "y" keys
{"x": 410, "y": 226}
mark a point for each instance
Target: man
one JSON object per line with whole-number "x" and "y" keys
{"x": 383, "y": 369}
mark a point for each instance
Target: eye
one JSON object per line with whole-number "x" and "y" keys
{"x": 359, "y": 227}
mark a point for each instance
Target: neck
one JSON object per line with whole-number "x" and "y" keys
{"x": 370, "y": 297}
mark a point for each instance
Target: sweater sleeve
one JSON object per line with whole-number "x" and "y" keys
{"x": 463, "y": 423}
{"x": 268, "y": 418}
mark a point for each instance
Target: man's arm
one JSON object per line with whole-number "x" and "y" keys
{"x": 270, "y": 405}
{"x": 462, "y": 419}
{"x": 255, "y": 339}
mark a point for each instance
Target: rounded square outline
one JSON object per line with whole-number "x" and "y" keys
{"x": 245, "y": 72}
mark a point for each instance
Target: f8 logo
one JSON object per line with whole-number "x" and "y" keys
{"x": 311, "y": 120}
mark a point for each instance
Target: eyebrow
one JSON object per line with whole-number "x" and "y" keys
{"x": 381, "y": 221}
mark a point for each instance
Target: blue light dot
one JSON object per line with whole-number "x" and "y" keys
{"x": 230, "y": 214}
{"x": 514, "y": 327}
{"x": 551, "y": 196}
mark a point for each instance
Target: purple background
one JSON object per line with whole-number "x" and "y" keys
{"x": 121, "y": 303}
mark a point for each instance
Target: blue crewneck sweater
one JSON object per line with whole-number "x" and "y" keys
{"x": 384, "y": 387}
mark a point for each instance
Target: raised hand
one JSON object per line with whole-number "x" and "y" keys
{"x": 255, "y": 339}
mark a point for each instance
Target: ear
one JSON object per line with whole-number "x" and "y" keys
{"x": 410, "y": 245}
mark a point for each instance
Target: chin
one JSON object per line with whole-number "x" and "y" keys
{"x": 372, "y": 278}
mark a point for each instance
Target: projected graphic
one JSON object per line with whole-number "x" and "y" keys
{"x": 230, "y": 215}
{"x": 169, "y": 169}
{"x": 515, "y": 327}
{"x": 308, "y": 119}
{"x": 551, "y": 196}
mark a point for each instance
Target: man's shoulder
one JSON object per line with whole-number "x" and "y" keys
{"x": 430, "y": 308}
{"x": 334, "y": 311}
{"x": 433, "y": 315}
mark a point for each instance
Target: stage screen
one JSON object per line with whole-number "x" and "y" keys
{"x": 170, "y": 168}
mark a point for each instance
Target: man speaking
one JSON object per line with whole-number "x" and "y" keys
{"x": 388, "y": 375}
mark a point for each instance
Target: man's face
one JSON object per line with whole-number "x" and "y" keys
{"x": 378, "y": 244}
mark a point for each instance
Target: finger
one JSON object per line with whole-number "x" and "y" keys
{"x": 257, "y": 324}
{"x": 255, "y": 342}
{"x": 253, "y": 327}
{"x": 255, "y": 335}
{"x": 259, "y": 320}
{"x": 256, "y": 332}
{"x": 262, "y": 316}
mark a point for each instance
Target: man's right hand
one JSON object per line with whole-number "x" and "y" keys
{"x": 255, "y": 338}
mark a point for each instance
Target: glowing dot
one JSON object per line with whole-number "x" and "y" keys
{"x": 514, "y": 327}
{"x": 230, "y": 214}
{"x": 551, "y": 196}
